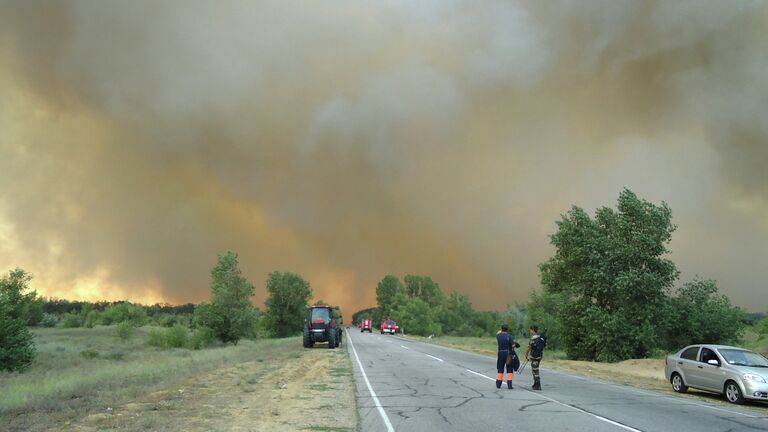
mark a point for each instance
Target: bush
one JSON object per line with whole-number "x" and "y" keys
{"x": 262, "y": 328}
{"x": 166, "y": 320}
{"x": 89, "y": 354}
{"x": 72, "y": 320}
{"x": 125, "y": 311}
{"x": 156, "y": 338}
{"x": 201, "y": 338}
{"x": 91, "y": 319}
{"x": 176, "y": 336}
{"x": 49, "y": 320}
{"x": 125, "y": 330}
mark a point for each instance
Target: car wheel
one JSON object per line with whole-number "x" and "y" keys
{"x": 733, "y": 393}
{"x": 677, "y": 383}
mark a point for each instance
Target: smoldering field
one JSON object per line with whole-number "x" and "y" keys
{"x": 352, "y": 140}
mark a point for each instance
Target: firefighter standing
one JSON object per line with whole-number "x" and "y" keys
{"x": 507, "y": 347}
{"x": 534, "y": 353}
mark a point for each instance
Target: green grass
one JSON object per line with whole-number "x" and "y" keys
{"x": 63, "y": 380}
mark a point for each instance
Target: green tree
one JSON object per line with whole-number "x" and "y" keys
{"x": 458, "y": 316}
{"x": 699, "y": 314}
{"x": 17, "y": 348}
{"x": 517, "y": 317}
{"x": 24, "y": 305}
{"x": 613, "y": 276}
{"x": 287, "y": 303}
{"x": 424, "y": 288}
{"x": 415, "y": 316}
{"x": 230, "y": 314}
{"x": 386, "y": 291}
{"x": 762, "y": 327}
{"x": 543, "y": 311}
{"x": 358, "y": 316}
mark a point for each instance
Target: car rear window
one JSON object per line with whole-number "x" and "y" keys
{"x": 320, "y": 313}
{"x": 690, "y": 353}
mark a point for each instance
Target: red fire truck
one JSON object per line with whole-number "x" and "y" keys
{"x": 366, "y": 325}
{"x": 389, "y": 326}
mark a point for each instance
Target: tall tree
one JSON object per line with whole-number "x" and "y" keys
{"x": 287, "y": 303}
{"x": 17, "y": 349}
{"x": 230, "y": 314}
{"x": 386, "y": 291}
{"x": 613, "y": 276}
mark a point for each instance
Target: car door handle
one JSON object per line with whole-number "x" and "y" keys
{"x": 679, "y": 363}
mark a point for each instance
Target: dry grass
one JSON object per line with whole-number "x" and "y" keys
{"x": 65, "y": 387}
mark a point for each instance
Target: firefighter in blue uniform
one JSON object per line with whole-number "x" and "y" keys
{"x": 507, "y": 347}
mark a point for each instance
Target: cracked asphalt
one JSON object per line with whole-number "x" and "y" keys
{"x": 423, "y": 387}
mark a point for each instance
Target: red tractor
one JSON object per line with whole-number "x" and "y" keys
{"x": 322, "y": 324}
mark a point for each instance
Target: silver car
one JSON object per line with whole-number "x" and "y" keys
{"x": 737, "y": 373}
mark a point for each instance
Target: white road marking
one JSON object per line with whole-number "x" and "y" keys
{"x": 601, "y": 418}
{"x": 479, "y": 374}
{"x": 403, "y": 346}
{"x": 438, "y": 359}
{"x": 370, "y": 389}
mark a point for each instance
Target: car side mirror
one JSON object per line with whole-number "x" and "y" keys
{"x": 713, "y": 362}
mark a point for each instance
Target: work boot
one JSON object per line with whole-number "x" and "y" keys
{"x": 509, "y": 385}
{"x": 498, "y": 384}
{"x": 536, "y": 385}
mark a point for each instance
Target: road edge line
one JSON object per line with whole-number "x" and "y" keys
{"x": 376, "y": 401}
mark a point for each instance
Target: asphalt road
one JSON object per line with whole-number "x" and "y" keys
{"x": 404, "y": 385}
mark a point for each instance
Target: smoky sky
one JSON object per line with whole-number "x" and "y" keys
{"x": 348, "y": 140}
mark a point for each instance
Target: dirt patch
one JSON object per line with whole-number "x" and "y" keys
{"x": 311, "y": 390}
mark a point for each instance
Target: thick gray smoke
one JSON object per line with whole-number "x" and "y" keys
{"x": 348, "y": 140}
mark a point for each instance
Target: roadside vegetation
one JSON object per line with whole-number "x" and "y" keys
{"x": 609, "y": 293}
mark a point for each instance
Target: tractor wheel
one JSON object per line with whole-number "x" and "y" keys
{"x": 307, "y": 339}
{"x": 332, "y": 339}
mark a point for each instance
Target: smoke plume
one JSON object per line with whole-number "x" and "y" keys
{"x": 348, "y": 140}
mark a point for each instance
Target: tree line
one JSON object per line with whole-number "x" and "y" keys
{"x": 229, "y": 317}
{"x": 421, "y": 307}
{"x": 608, "y": 293}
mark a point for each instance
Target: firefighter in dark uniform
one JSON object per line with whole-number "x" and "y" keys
{"x": 507, "y": 347}
{"x": 534, "y": 353}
